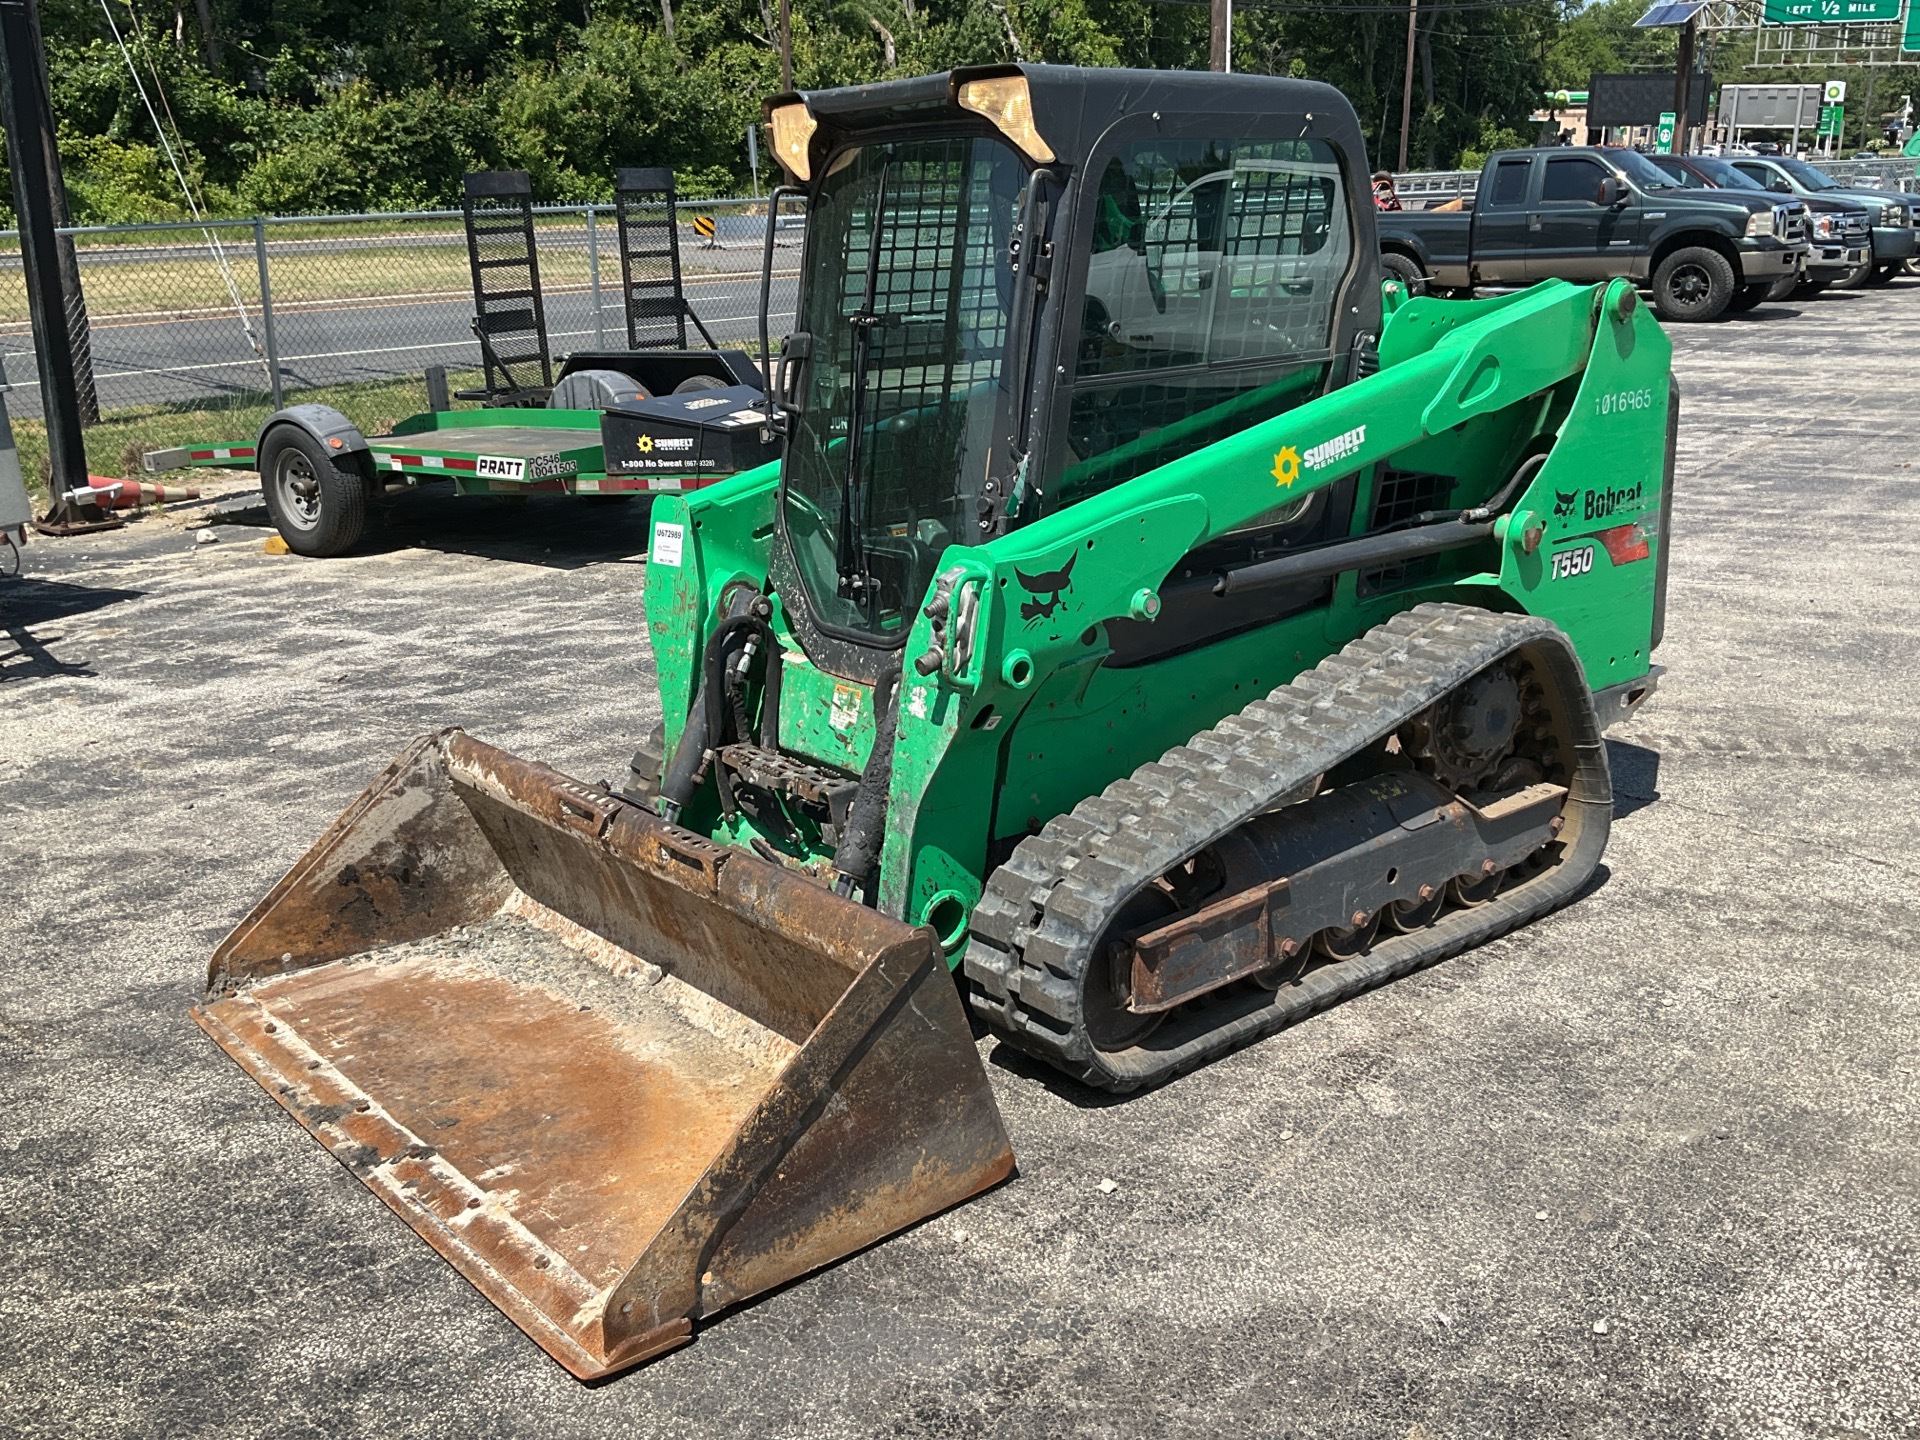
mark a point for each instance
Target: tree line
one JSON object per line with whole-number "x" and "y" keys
{"x": 311, "y": 106}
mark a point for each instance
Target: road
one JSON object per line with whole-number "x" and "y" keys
{"x": 205, "y": 357}
{"x": 1647, "y": 1168}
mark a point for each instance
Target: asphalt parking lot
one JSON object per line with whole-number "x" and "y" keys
{"x": 1647, "y": 1168}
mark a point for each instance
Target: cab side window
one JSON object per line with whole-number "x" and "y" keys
{"x": 1572, "y": 180}
{"x": 1510, "y": 183}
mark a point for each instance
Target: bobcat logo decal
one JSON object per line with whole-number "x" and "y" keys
{"x": 1563, "y": 503}
{"x": 1054, "y": 585}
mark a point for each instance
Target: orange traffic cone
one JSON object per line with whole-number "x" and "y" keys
{"x": 110, "y": 494}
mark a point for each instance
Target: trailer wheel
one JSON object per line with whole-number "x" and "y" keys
{"x": 318, "y": 501}
{"x": 1692, "y": 285}
{"x": 1407, "y": 272}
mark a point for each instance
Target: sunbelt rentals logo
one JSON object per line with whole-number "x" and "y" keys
{"x": 1328, "y": 452}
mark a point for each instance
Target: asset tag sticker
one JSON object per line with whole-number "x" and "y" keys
{"x": 846, "y": 707}
{"x": 667, "y": 541}
{"x": 500, "y": 467}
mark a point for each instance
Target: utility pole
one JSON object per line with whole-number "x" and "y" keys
{"x": 80, "y": 336}
{"x": 26, "y": 114}
{"x": 786, "y": 45}
{"x": 1683, "y": 85}
{"x": 1221, "y": 59}
{"x": 1406, "y": 93}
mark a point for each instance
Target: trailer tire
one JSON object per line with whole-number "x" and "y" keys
{"x": 317, "y": 500}
{"x": 1693, "y": 284}
{"x": 1406, "y": 271}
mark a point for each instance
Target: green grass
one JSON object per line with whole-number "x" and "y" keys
{"x": 115, "y": 445}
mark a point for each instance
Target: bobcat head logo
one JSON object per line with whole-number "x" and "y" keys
{"x": 1563, "y": 503}
{"x": 1054, "y": 585}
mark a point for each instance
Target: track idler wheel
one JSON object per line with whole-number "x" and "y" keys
{"x": 1352, "y": 942}
{"x": 1404, "y": 917}
{"x": 1471, "y": 890}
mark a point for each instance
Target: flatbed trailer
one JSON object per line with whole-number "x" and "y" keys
{"x": 666, "y": 422}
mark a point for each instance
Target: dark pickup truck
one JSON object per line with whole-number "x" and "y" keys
{"x": 1590, "y": 214}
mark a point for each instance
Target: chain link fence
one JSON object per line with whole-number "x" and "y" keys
{"x": 199, "y": 331}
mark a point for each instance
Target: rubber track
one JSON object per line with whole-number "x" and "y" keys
{"x": 1034, "y": 929}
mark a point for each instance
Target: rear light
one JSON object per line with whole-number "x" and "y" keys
{"x": 1625, "y": 544}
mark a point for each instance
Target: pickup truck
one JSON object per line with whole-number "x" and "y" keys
{"x": 1589, "y": 214}
{"x": 1837, "y": 230}
{"x": 1896, "y": 217}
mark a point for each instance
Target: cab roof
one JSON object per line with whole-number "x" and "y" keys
{"x": 1074, "y": 106}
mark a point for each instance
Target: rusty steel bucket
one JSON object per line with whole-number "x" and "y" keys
{"x": 621, "y": 1077}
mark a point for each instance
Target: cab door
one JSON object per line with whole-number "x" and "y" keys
{"x": 1573, "y": 235}
{"x": 1500, "y": 220}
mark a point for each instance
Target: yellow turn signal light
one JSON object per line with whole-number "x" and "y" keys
{"x": 793, "y": 127}
{"x": 1008, "y": 103}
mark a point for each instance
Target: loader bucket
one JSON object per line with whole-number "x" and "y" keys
{"x": 621, "y": 1077}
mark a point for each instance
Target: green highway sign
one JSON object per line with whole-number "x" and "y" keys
{"x": 1663, "y": 136}
{"x": 1832, "y": 12}
{"x": 1829, "y": 120}
{"x": 1910, "y": 40}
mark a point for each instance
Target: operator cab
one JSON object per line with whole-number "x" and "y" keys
{"x": 1023, "y": 285}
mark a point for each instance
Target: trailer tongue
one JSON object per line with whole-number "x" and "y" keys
{"x": 621, "y": 1077}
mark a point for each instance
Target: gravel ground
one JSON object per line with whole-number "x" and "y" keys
{"x": 1647, "y": 1168}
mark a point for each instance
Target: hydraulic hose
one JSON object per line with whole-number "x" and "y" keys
{"x": 859, "y": 849}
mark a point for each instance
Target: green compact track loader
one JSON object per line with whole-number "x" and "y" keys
{"x": 1156, "y": 629}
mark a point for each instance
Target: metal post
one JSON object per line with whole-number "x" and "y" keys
{"x": 593, "y": 278}
{"x": 786, "y": 45}
{"x": 266, "y": 312}
{"x": 22, "y": 104}
{"x": 1220, "y": 40}
{"x": 1683, "y": 87}
{"x": 438, "y": 399}
{"x": 1406, "y": 94}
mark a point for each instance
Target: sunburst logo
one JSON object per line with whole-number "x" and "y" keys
{"x": 643, "y": 444}
{"x": 1286, "y": 466}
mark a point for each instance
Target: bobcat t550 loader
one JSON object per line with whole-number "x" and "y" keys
{"x": 1155, "y": 629}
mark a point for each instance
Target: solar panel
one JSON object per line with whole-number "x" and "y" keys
{"x": 1669, "y": 12}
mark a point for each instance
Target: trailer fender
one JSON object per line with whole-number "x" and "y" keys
{"x": 325, "y": 424}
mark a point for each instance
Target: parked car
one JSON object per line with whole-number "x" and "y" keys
{"x": 1765, "y": 147}
{"x": 1896, "y": 217}
{"x": 1837, "y": 230}
{"x": 1592, "y": 214}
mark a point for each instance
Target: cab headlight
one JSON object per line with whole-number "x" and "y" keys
{"x": 1764, "y": 223}
{"x": 793, "y": 127}
{"x": 1007, "y": 101}
{"x": 1893, "y": 215}
{"x": 1823, "y": 226}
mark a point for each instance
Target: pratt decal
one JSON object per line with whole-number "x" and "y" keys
{"x": 1338, "y": 448}
{"x": 499, "y": 467}
{"x": 1054, "y": 585}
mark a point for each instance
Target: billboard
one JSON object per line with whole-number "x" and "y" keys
{"x": 1641, "y": 99}
{"x": 1769, "y": 107}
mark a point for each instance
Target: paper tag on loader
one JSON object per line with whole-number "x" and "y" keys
{"x": 667, "y": 540}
